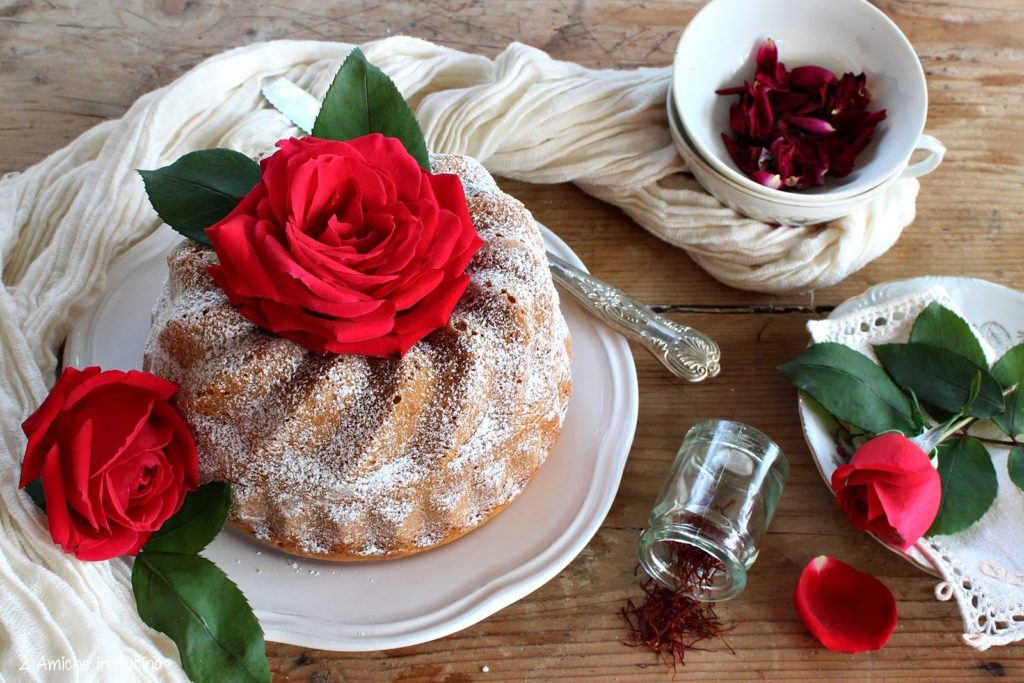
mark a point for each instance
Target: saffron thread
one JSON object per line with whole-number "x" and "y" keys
{"x": 669, "y": 621}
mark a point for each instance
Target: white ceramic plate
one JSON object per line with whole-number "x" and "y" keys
{"x": 402, "y": 602}
{"x": 996, "y": 311}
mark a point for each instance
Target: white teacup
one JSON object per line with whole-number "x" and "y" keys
{"x": 756, "y": 205}
{"x": 718, "y": 49}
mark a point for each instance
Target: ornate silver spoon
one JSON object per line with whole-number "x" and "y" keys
{"x": 686, "y": 352}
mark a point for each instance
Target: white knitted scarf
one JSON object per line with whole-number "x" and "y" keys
{"x": 524, "y": 115}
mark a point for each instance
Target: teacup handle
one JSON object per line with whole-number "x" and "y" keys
{"x": 934, "y": 151}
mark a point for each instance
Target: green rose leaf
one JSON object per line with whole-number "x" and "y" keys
{"x": 362, "y": 100}
{"x": 191, "y": 600}
{"x": 1009, "y": 372}
{"x": 1016, "y": 465}
{"x": 200, "y": 188}
{"x": 192, "y": 527}
{"x": 969, "y": 485}
{"x": 939, "y": 326}
{"x": 941, "y": 378}
{"x": 972, "y": 394}
{"x": 34, "y": 489}
{"x": 853, "y": 388}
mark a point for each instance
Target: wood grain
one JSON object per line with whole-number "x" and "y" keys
{"x": 570, "y": 628}
{"x": 66, "y": 65}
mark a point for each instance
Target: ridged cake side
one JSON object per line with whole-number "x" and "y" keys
{"x": 353, "y": 457}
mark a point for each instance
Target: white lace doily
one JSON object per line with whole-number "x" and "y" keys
{"x": 982, "y": 567}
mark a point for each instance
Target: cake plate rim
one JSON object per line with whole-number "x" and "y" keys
{"x": 514, "y": 576}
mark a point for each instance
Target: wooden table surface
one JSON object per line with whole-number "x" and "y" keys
{"x": 68, "y": 64}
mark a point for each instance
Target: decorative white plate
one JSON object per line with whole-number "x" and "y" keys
{"x": 994, "y": 310}
{"x": 397, "y": 603}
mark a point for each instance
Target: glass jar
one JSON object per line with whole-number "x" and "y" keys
{"x": 719, "y": 497}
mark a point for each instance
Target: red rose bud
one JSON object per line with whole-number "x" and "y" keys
{"x": 889, "y": 488}
{"x": 115, "y": 458}
{"x": 801, "y": 125}
{"x": 347, "y": 247}
{"x": 844, "y": 608}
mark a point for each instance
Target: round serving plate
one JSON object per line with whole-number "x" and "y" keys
{"x": 994, "y": 310}
{"x": 377, "y": 605}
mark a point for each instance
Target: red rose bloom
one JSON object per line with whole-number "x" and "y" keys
{"x": 347, "y": 247}
{"x": 116, "y": 460}
{"x": 889, "y": 488}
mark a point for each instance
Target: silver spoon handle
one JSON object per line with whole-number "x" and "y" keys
{"x": 686, "y": 352}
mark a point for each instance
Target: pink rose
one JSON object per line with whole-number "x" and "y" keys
{"x": 889, "y": 488}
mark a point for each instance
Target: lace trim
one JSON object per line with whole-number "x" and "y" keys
{"x": 881, "y": 323}
{"x": 988, "y": 620}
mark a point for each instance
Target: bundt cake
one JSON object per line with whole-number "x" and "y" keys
{"x": 350, "y": 457}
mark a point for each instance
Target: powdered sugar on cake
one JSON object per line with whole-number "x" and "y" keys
{"x": 353, "y": 456}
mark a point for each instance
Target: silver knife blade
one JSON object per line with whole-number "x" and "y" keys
{"x": 298, "y": 105}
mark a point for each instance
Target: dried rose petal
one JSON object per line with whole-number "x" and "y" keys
{"x": 809, "y": 124}
{"x": 810, "y": 77}
{"x": 734, "y": 90}
{"x": 796, "y": 128}
{"x": 746, "y": 158}
{"x": 738, "y": 120}
{"x": 813, "y": 158}
{"x": 769, "y": 70}
{"x": 844, "y": 608}
{"x": 850, "y": 94}
{"x": 771, "y": 180}
{"x": 762, "y": 119}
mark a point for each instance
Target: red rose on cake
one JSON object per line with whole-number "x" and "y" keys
{"x": 114, "y": 457}
{"x": 346, "y": 247}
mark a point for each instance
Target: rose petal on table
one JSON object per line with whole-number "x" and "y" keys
{"x": 844, "y": 608}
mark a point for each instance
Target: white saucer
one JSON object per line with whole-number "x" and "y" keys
{"x": 996, "y": 311}
{"x": 397, "y": 603}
